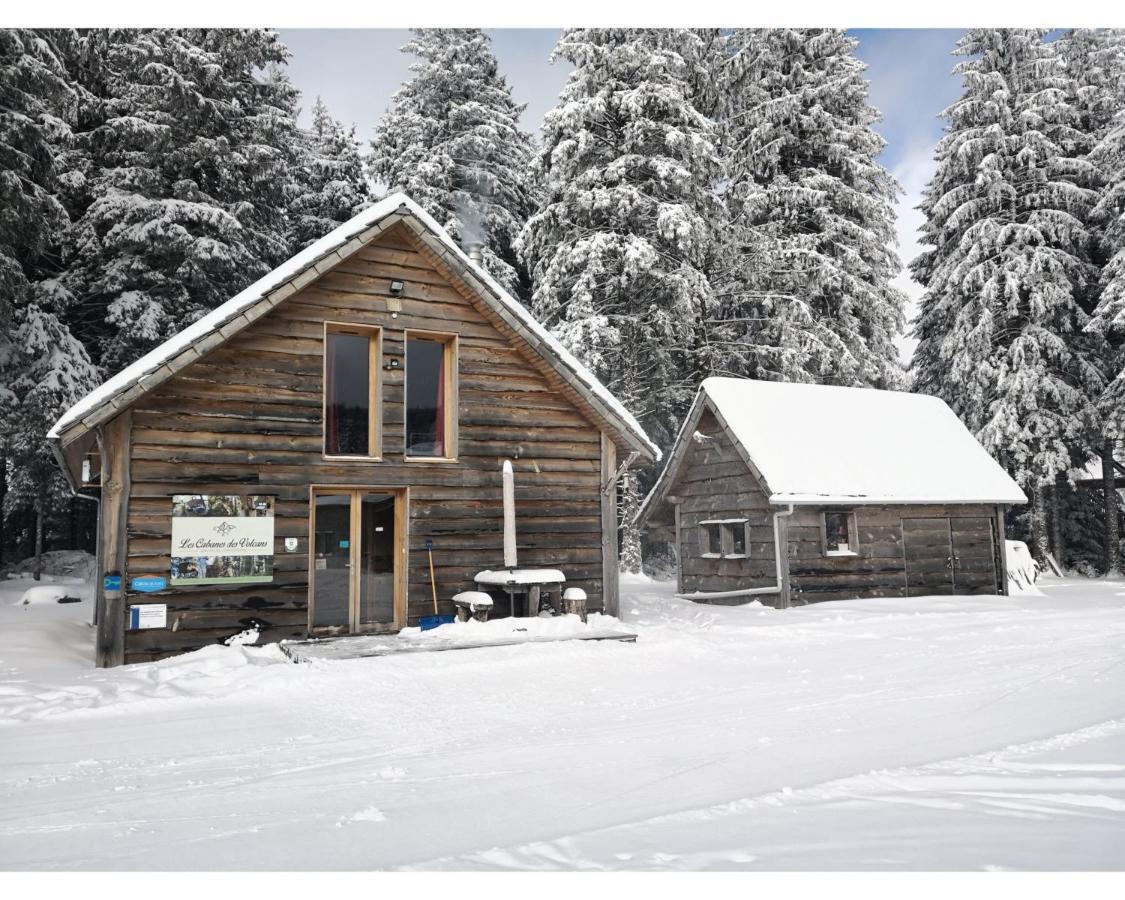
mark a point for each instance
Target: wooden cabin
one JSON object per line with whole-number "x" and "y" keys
{"x": 293, "y": 460}
{"x": 797, "y": 493}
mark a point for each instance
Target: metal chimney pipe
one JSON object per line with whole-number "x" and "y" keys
{"x": 475, "y": 251}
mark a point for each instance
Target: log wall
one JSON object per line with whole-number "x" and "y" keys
{"x": 714, "y": 483}
{"x": 247, "y": 418}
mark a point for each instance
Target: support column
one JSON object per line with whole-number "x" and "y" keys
{"x": 114, "y": 441}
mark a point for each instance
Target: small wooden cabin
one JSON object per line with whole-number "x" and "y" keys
{"x": 292, "y": 460}
{"x": 796, "y": 493}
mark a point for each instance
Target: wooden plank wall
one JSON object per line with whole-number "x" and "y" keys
{"x": 878, "y": 569}
{"x": 714, "y": 483}
{"x": 247, "y": 418}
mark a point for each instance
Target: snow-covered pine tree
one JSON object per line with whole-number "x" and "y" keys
{"x": 618, "y": 247}
{"x": 1095, "y": 69}
{"x": 804, "y": 281}
{"x": 182, "y": 197}
{"x": 451, "y": 140}
{"x": 43, "y": 368}
{"x": 1006, "y": 268}
{"x": 331, "y": 186}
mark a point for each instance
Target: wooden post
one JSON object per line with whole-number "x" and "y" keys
{"x": 610, "y": 600}
{"x": 1001, "y": 553}
{"x": 114, "y": 439}
{"x": 679, "y": 551}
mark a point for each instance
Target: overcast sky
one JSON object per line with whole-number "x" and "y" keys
{"x": 357, "y": 70}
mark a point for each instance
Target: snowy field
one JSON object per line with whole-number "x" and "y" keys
{"x": 935, "y": 733}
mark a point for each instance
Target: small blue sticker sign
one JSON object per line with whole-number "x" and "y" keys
{"x": 148, "y": 583}
{"x": 344, "y": 545}
{"x": 111, "y": 583}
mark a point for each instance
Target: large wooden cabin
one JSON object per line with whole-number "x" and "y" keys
{"x": 795, "y": 493}
{"x": 331, "y": 427}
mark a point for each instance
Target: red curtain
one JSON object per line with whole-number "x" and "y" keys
{"x": 439, "y": 425}
{"x": 331, "y": 408}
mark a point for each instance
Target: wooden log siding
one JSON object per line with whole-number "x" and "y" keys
{"x": 878, "y": 569}
{"x": 247, "y": 418}
{"x": 715, "y": 483}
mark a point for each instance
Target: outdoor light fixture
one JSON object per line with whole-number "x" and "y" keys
{"x": 397, "y": 287}
{"x": 392, "y": 363}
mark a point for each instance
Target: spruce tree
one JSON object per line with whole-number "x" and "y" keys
{"x": 1007, "y": 267}
{"x": 804, "y": 278}
{"x": 330, "y": 183}
{"x": 451, "y": 140}
{"x": 185, "y": 181}
{"x": 43, "y": 368}
{"x": 618, "y": 247}
{"x": 1095, "y": 71}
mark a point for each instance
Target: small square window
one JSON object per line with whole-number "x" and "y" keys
{"x": 838, "y": 536}
{"x": 738, "y": 539}
{"x": 713, "y": 539}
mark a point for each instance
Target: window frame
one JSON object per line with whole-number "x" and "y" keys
{"x": 374, "y": 391}
{"x": 450, "y": 340}
{"x": 727, "y": 528}
{"x": 853, "y": 535}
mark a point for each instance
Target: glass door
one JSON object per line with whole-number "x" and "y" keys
{"x": 355, "y": 563}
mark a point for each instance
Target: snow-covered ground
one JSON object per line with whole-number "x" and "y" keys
{"x": 933, "y": 733}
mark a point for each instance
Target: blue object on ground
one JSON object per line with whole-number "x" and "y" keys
{"x": 428, "y": 622}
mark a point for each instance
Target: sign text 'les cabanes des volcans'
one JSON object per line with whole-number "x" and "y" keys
{"x": 221, "y": 538}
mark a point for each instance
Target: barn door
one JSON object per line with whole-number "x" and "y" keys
{"x": 949, "y": 555}
{"x": 928, "y": 546}
{"x": 974, "y": 555}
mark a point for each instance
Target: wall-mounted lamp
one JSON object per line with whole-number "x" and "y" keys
{"x": 397, "y": 287}
{"x": 392, "y": 363}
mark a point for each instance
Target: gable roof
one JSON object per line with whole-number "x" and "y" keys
{"x": 263, "y": 295}
{"x": 816, "y": 444}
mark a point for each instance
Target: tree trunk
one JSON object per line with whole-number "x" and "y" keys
{"x": 3, "y": 494}
{"x": 39, "y": 504}
{"x": 1058, "y": 545}
{"x": 1109, "y": 501}
{"x": 1039, "y": 548}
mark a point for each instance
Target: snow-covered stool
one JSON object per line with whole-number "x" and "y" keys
{"x": 574, "y": 601}
{"x": 472, "y": 603}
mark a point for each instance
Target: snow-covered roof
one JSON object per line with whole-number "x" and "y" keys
{"x": 815, "y": 444}
{"x": 226, "y": 320}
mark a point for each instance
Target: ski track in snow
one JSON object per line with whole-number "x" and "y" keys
{"x": 922, "y": 733}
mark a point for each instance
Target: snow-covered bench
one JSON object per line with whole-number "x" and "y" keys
{"x": 476, "y": 604}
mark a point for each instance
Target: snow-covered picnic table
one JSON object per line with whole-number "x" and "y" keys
{"x": 528, "y": 582}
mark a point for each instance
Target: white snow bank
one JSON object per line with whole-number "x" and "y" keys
{"x": 825, "y": 444}
{"x": 1022, "y": 569}
{"x": 543, "y": 625}
{"x": 900, "y": 733}
{"x": 50, "y": 593}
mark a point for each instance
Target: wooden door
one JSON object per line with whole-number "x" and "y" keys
{"x": 974, "y": 555}
{"x": 928, "y": 548}
{"x": 356, "y": 565}
{"x": 949, "y": 555}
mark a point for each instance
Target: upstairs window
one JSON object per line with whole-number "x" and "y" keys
{"x": 351, "y": 391}
{"x": 431, "y": 401}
